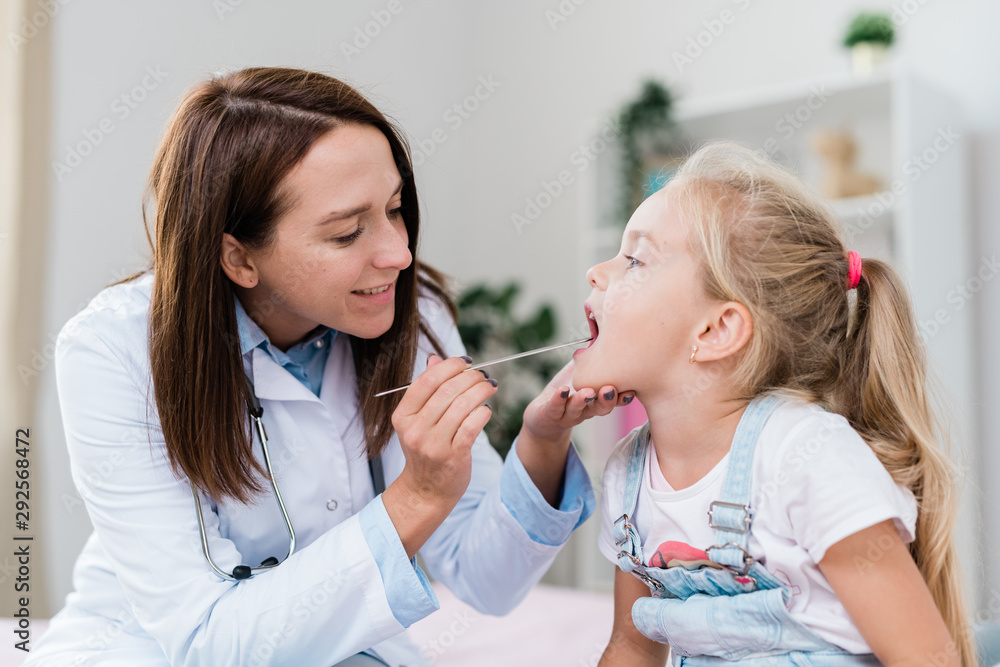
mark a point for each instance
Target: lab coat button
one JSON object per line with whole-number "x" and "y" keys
{"x": 319, "y": 343}
{"x": 331, "y": 504}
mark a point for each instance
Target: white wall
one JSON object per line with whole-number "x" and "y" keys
{"x": 556, "y": 84}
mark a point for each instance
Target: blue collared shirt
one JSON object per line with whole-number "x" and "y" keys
{"x": 407, "y": 588}
{"x": 306, "y": 360}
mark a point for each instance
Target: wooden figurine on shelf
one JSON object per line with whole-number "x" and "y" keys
{"x": 838, "y": 149}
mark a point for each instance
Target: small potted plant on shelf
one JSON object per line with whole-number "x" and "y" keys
{"x": 868, "y": 37}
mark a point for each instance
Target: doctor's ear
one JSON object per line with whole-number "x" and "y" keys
{"x": 726, "y": 333}
{"x": 236, "y": 262}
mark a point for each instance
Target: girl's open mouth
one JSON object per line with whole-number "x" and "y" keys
{"x": 592, "y": 322}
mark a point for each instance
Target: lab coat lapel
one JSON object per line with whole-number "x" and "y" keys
{"x": 340, "y": 390}
{"x": 273, "y": 382}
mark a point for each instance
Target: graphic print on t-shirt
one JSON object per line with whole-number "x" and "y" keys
{"x": 680, "y": 554}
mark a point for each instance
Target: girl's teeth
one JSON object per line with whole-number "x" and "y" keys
{"x": 377, "y": 290}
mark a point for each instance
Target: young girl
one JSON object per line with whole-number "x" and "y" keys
{"x": 788, "y": 501}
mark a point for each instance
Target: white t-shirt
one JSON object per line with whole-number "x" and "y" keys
{"x": 815, "y": 482}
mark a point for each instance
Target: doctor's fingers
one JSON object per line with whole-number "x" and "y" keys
{"x": 471, "y": 427}
{"x": 449, "y": 391}
{"x": 461, "y": 408}
{"x": 428, "y": 382}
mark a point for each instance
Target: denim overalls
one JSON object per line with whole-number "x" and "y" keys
{"x": 712, "y": 616}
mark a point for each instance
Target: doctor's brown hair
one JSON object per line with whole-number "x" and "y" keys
{"x": 217, "y": 170}
{"x": 764, "y": 240}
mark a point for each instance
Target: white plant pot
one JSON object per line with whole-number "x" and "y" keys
{"x": 866, "y": 57}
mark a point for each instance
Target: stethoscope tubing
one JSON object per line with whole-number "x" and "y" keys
{"x": 242, "y": 572}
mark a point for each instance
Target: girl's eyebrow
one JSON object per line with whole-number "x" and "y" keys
{"x": 638, "y": 234}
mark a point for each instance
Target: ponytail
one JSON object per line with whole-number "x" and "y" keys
{"x": 883, "y": 394}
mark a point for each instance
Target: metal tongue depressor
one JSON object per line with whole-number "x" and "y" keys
{"x": 501, "y": 360}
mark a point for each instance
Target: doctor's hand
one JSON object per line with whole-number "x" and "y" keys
{"x": 543, "y": 443}
{"x": 437, "y": 421}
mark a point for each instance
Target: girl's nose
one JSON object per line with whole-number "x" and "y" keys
{"x": 596, "y": 276}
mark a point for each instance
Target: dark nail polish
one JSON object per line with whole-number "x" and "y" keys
{"x": 485, "y": 374}
{"x": 564, "y": 394}
{"x": 428, "y": 358}
{"x": 628, "y": 399}
{"x": 608, "y": 395}
{"x": 589, "y": 399}
{"x": 467, "y": 358}
{"x": 493, "y": 382}
{"x": 489, "y": 406}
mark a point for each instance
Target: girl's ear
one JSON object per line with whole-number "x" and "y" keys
{"x": 726, "y": 333}
{"x": 237, "y": 263}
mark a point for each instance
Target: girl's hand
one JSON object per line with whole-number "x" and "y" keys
{"x": 437, "y": 421}
{"x": 557, "y": 409}
{"x": 543, "y": 443}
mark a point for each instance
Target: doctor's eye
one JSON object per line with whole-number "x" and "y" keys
{"x": 350, "y": 238}
{"x": 396, "y": 212}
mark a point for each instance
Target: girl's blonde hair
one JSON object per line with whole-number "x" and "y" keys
{"x": 766, "y": 241}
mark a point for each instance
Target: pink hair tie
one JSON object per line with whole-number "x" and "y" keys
{"x": 854, "y": 269}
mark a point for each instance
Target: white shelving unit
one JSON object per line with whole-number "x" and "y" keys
{"x": 909, "y": 136}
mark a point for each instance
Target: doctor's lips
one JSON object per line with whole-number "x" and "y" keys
{"x": 379, "y": 294}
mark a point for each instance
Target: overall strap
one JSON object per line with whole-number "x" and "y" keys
{"x": 731, "y": 515}
{"x": 624, "y": 533}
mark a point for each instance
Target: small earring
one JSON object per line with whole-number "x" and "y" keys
{"x": 694, "y": 351}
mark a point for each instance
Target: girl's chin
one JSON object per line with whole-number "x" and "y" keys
{"x": 592, "y": 380}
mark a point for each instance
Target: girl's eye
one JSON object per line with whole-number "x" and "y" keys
{"x": 632, "y": 262}
{"x": 350, "y": 238}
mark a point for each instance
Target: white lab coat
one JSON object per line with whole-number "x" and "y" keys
{"x": 144, "y": 592}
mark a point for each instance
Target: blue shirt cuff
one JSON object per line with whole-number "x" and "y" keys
{"x": 543, "y": 523}
{"x": 407, "y": 589}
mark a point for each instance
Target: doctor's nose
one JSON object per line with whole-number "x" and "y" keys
{"x": 392, "y": 251}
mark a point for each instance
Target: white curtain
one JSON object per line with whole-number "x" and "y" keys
{"x": 24, "y": 126}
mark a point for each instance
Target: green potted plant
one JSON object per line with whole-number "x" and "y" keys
{"x": 648, "y": 133}
{"x": 868, "y": 37}
{"x": 490, "y": 329}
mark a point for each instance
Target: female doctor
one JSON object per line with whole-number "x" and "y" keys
{"x": 285, "y": 273}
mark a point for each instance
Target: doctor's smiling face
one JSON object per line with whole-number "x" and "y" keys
{"x": 337, "y": 249}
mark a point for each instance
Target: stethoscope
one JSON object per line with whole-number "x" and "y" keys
{"x": 241, "y": 572}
